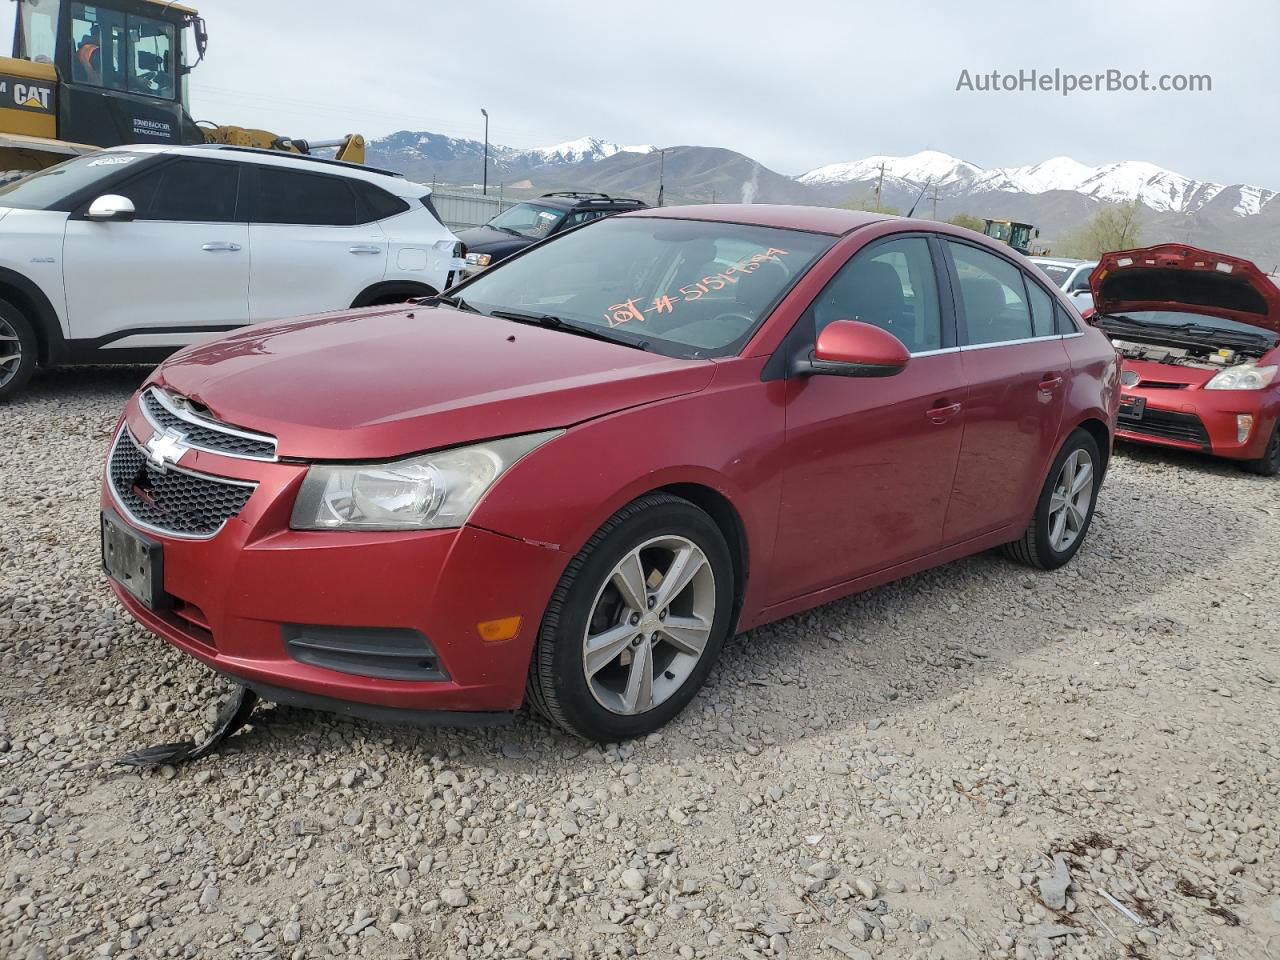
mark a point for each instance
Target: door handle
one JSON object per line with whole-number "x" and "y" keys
{"x": 219, "y": 246}
{"x": 365, "y": 248}
{"x": 943, "y": 413}
{"x": 1050, "y": 383}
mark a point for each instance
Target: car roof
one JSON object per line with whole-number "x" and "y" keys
{"x": 391, "y": 182}
{"x": 782, "y": 216}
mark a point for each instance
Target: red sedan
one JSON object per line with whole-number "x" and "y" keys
{"x": 1199, "y": 334}
{"x": 577, "y": 474}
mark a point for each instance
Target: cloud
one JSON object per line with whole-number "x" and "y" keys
{"x": 794, "y": 85}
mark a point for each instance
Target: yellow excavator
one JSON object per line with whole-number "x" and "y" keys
{"x": 89, "y": 75}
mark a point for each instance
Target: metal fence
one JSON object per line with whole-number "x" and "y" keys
{"x": 462, "y": 210}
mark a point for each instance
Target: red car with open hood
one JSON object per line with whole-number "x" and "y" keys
{"x": 1199, "y": 333}
{"x": 576, "y": 475}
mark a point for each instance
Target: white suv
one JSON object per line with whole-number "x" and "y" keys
{"x": 125, "y": 255}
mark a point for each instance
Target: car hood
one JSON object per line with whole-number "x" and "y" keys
{"x": 382, "y": 383}
{"x": 487, "y": 239}
{"x": 1173, "y": 276}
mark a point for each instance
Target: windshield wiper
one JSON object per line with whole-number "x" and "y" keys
{"x": 552, "y": 322}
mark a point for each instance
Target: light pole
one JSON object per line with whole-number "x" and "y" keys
{"x": 485, "y": 182}
{"x": 662, "y": 165}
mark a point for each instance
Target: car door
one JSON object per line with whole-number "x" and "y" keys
{"x": 870, "y": 462}
{"x": 315, "y": 247}
{"x": 1017, "y": 370}
{"x": 178, "y": 270}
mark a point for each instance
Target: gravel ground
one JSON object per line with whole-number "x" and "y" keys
{"x": 961, "y": 764}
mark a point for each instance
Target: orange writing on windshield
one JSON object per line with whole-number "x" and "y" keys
{"x": 629, "y": 310}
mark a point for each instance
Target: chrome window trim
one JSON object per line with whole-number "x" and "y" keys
{"x": 935, "y": 353}
{"x": 207, "y": 423}
{"x": 161, "y": 531}
{"x": 1013, "y": 343}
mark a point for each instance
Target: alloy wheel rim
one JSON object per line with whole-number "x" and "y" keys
{"x": 1069, "y": 503}
{"x": 10, "y": 352}
{"x": 649, "y": 625}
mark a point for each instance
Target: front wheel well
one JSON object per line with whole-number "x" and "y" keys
{"x": 28, "y": 298}
{"x": 392, "y": 291}
{"x": 726, "y": 517}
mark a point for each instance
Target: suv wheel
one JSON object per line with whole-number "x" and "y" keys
{"x": 636, "y": 622}
{"x": 1065, "y": 508}
{"x": 17, "y": 350}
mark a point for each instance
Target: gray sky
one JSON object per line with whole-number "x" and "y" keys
{"x": 793, "y": 84}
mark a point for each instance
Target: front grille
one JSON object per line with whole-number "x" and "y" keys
{"x": 1186, "y": 427}
{"x": 173, "y": 500}
{"x": 204, "y": 433}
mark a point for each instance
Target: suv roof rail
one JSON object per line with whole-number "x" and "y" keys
{"x": 621, "y": 201}
{"x": 577, "y": 195}
{"x": 296, "y": 156}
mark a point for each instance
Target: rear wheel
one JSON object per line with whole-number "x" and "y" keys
{"x": 17, "y": 350}
{"x": 1065, "y": 507}
{"x": 1267, "y": 465}
{"x": 636, "y": 622}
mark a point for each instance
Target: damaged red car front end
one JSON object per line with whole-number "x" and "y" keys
{"x": 1199, "y": 333}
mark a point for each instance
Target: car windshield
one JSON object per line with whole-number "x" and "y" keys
{"x": 1055, "y": 272}
{"x": 686, "y": 288}
{"x": 1174, "y": 318}
{"x": 45, "y": 188}
{"x": 531, "y": 220}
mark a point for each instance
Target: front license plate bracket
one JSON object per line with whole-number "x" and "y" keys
{"x": 134, "y": 561}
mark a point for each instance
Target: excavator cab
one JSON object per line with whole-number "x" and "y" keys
{"x": 1015, "y": 234}
{"x": 86, "y": 75}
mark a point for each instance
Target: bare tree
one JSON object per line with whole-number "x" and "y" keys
{"x": 1114, "y": 227}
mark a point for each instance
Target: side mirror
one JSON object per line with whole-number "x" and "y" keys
{"x": 849, "y": 348}
{"x": 111, "y": 207}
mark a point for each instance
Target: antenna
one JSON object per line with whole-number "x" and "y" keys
{"x": 912, "y": 211}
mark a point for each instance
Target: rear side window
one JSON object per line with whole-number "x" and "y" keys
{"x": 1041, "y": 310}
{"x": 993, "y": 294}
{"x": 195, "y": 191}
{"x": 286, "y": 196}
{"x": 378, "y": 204}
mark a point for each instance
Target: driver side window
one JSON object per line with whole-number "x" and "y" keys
{"x": 890, "y": 285}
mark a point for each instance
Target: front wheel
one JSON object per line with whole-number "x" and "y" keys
{"x": 636, "y": 622}
{"x": 18, "y": 350}
{"x": 1267, "y": 465}
{"x": 1065, "y": 507}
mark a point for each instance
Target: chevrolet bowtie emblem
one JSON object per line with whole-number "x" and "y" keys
{"x": 164, "y": 449}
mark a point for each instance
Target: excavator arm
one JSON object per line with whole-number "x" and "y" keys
{"x": 350, "y": 148}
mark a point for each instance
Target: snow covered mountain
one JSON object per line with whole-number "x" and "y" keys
{"x": 1162, "y": 190}
{"x": 426, "y": 156}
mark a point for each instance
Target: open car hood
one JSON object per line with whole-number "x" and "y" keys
{"x": 1173, "y": 276}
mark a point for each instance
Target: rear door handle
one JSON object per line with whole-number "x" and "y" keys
{"x": 941, "y": 414}
{"x": 219, "y": 246}
{"x": 364, "y": 248}
{"x": 1050, "y": 384}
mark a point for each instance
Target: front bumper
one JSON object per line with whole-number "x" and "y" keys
{"x": 1196, "y": 419}
{"x": 233, "y": 599}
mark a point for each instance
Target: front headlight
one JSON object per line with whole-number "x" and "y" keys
{"x": 479, "y": 259}
{"x": 433, "y": 491}
{"x": 1245, "y": 376}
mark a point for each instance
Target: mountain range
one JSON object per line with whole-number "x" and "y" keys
{"x": 1057, "y": 195}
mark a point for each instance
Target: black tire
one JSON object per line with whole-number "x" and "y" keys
{"x": 1267, "y": 465}
{"x": 1034, "y": 548}
{"x": 557, "y": 686}
{"x": 14, "y": 375}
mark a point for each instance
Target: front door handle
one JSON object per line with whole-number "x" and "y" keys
{"x": 220, "y": 246}
{"x": 365, "y": 248}
{"x": 1050, "y": 383}
{"x": 943, "y": 413}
